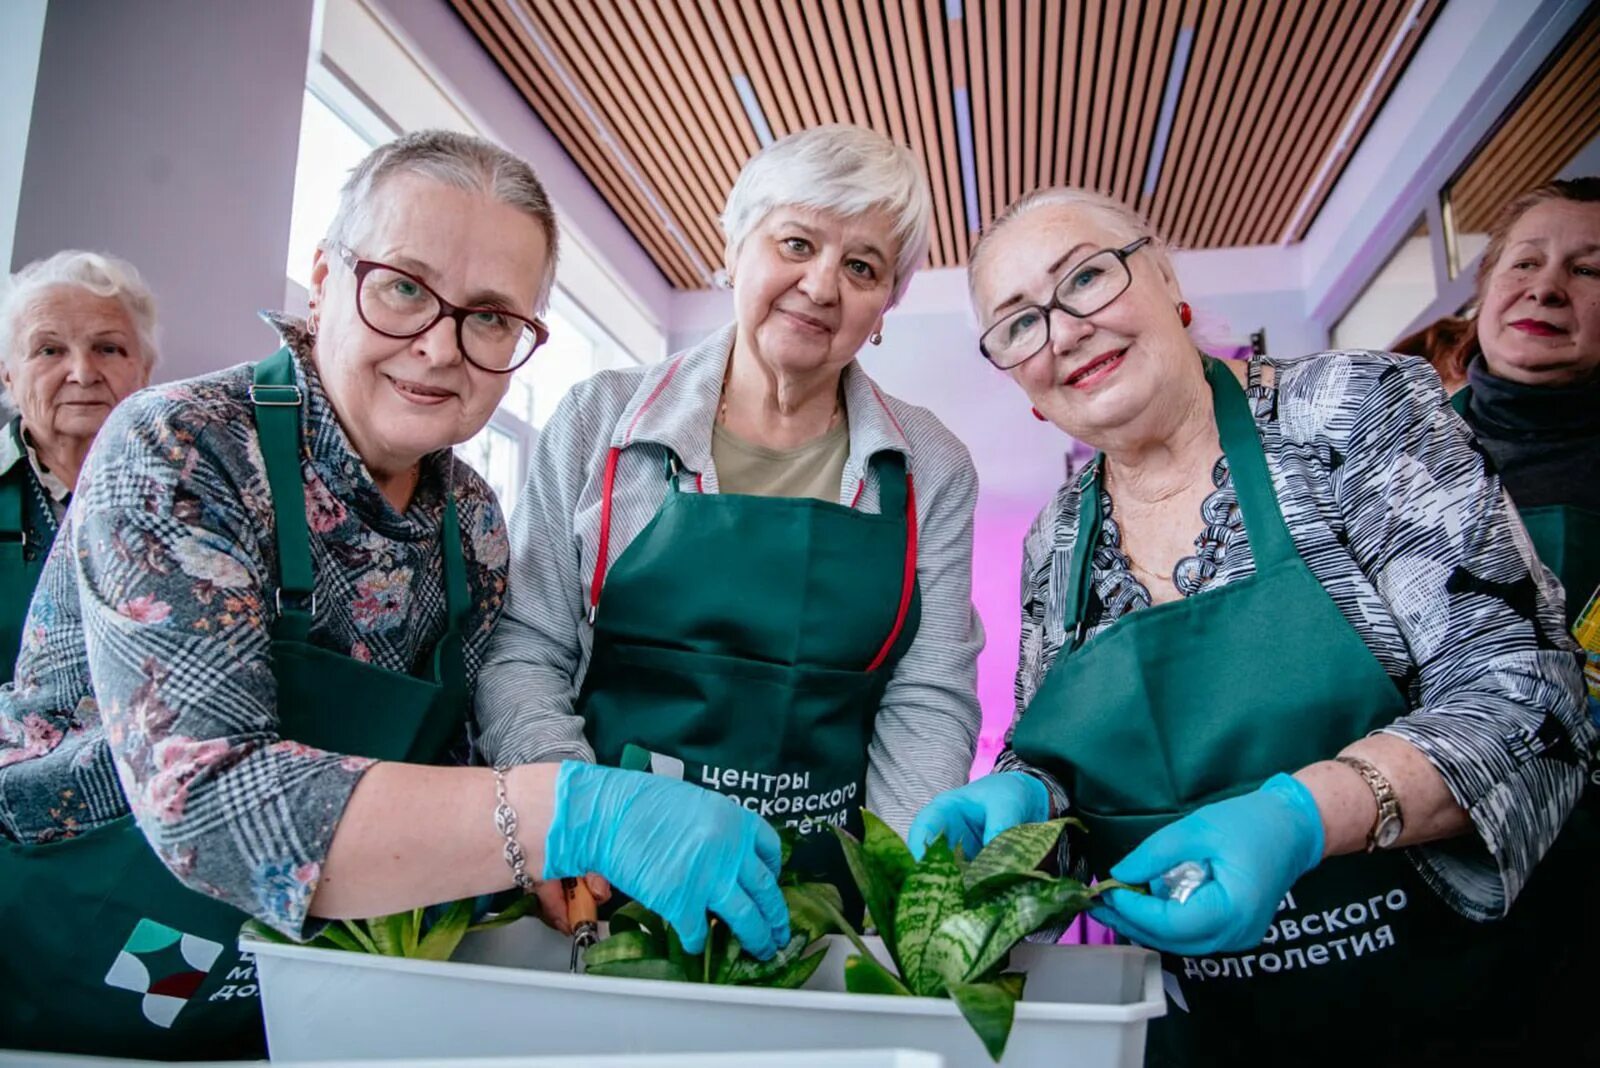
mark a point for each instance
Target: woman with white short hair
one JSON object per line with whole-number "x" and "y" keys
{"x": 747, "y": 565}
{"x": 77, "y": 335}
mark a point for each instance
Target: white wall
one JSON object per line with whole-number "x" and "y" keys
{"x": 21, "y": 33}
{"x": 166, "y": 133}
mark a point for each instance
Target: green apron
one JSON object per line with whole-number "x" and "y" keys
{"x": 1557, "y": 944}
{"x": 23, "y": 548}
{"x": 1566, "y": 537}
{"x": 108, "y": 953}
{"x": 744, "y": 644}
{"x": 1182, "y": 704}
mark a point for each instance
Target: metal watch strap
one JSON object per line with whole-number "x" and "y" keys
{"x": 1382, "y": 792}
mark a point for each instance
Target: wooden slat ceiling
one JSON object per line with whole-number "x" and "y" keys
{"x": 1557, "y": 117}
{"x": 646, "y": 97}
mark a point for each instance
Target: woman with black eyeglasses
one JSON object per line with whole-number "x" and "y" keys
{"x": 1288, "y": 655}
{"x": 263, "y": 621}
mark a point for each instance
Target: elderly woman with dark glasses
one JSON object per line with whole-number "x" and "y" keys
{"x": 1287, "y": 654}
{"x": 257, "y": 639}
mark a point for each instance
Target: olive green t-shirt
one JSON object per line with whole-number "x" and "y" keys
{"x": 814, "y": 469}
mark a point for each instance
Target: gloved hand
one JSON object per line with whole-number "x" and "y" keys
{"x": 971, "y": 815}
{"x": 678, "y": 849}
{"x": 1257, "y": 845}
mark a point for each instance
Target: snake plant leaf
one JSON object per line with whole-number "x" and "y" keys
{"x": 1014, "y": 982}
{"x": 629, "y": 945}
{"x": 886, "y": 851}
{"x": 1013, "y": 854}
{"x": 864, "y": 975}
{"x": 519, "y": 908}
{"x": 1023, "y": 909}
{"x": 795, "y": 975}
{"x": 957, "y": 944}
{"x": 361, "y": 932}
{"x": 990, "y": 1009}
{"x": 810, "y": 911}
{"x": 748, "y": 970}
{"x": 649, "y": 968}
{"x": 446, "y": 933}
{"x": 261, "y": 932}
{"x": 691, "y": 964}
{"x": 931, "y": 892}
{"x": 876, "y": 888}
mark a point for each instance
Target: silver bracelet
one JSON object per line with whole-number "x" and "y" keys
{"x": 505, "y": 821}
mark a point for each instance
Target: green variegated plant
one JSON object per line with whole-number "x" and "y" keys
{"x": 641, "y": 945}
{"x": 949, "y": 924}
{"x": 424, "y": 934}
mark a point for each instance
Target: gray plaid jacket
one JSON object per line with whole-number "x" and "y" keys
{"x": 927, "y": 727}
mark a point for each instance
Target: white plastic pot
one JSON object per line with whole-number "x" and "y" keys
{"x": 508, "y": 992}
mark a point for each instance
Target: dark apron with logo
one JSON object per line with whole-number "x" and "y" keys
{"x": 1183, "y": 704}
{"x": 107, "y": 952}
{"x": 744, "y": 644}
{"x": 1557, "y": 947}
{"x": 23, "y": 548}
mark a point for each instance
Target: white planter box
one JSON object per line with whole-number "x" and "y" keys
{"x": 508, "y": 993}
{"x": 876, "y": 1058}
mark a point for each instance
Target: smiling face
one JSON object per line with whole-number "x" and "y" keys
{"x": 400, "y": 399}
{"x": 1539, "y": 323}
{"x": 1096, "y": 375}
{"x": 74, "y": 356}
{"x": 809, "y": 286}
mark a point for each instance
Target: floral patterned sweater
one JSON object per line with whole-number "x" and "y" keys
{"x": 145, "y": 678}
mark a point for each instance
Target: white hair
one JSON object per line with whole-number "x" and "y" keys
{"x": 98, "y": 273}
{"x": 462, "y": 162}
{"x": 1122, "y": 220}
{"x": 848, "y": 170}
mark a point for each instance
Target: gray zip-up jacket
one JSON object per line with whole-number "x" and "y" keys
{"x": 927, "y": 727}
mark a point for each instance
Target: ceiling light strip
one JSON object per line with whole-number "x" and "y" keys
{"x": 752, "y": 109}
{"x": 1169, "y": 107}
{"x": 610, "y": 142}
{"x": 1354, "y": 120}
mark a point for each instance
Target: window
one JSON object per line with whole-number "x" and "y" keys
{"x": 1535, "y": 140}
{"x": 1400, "y": 292}
{"x": 330, "y": 147}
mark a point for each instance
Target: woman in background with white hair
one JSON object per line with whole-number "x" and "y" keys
{"x": 77, "y": 334}
{"x": 747, "y": 565}
{"x": 256, "y": 646}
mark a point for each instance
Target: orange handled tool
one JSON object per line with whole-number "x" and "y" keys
{"x": 581, "y": 915}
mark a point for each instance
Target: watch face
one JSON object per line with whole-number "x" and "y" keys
{"x": 1388, "y": 833}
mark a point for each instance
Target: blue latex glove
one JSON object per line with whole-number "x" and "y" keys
{"x": 970, "y": 816}
{"x": 1257, "y": 846}
{"x": 679, "y": 850}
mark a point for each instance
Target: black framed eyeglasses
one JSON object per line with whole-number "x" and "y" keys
{"x": 1085, "y": 289}
{"x": 398, "y": 304}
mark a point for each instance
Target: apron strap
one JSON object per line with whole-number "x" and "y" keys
{"x": 278, "y": 399}
{"x": 1252, "y": 482}
{"x": 894, "y": 485}
{"x": 1461, "y": 400}
{"x": 1270, "y": 542}
{"x": 458, "y": 599}
{"x": 13, "y": 531}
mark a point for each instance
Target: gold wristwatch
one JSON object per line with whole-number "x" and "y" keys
{"x": 1387, "y": 827}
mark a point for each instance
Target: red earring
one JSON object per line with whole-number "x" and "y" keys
{"x": 1037, "y": 414}
{"x": 1185, "y": 313}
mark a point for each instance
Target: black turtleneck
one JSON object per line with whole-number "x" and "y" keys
{"x": 1545, "y": 440}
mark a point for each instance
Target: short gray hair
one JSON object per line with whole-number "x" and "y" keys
{"x": 462, "y": 162}
{"x": 838, "y": 168}
{"x": 97, "y": 272}
{"x": 1127, "y": 223}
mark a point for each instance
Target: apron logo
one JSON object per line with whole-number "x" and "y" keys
{"x": 638, "y": 758}
{"x": 166, "y": 965}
